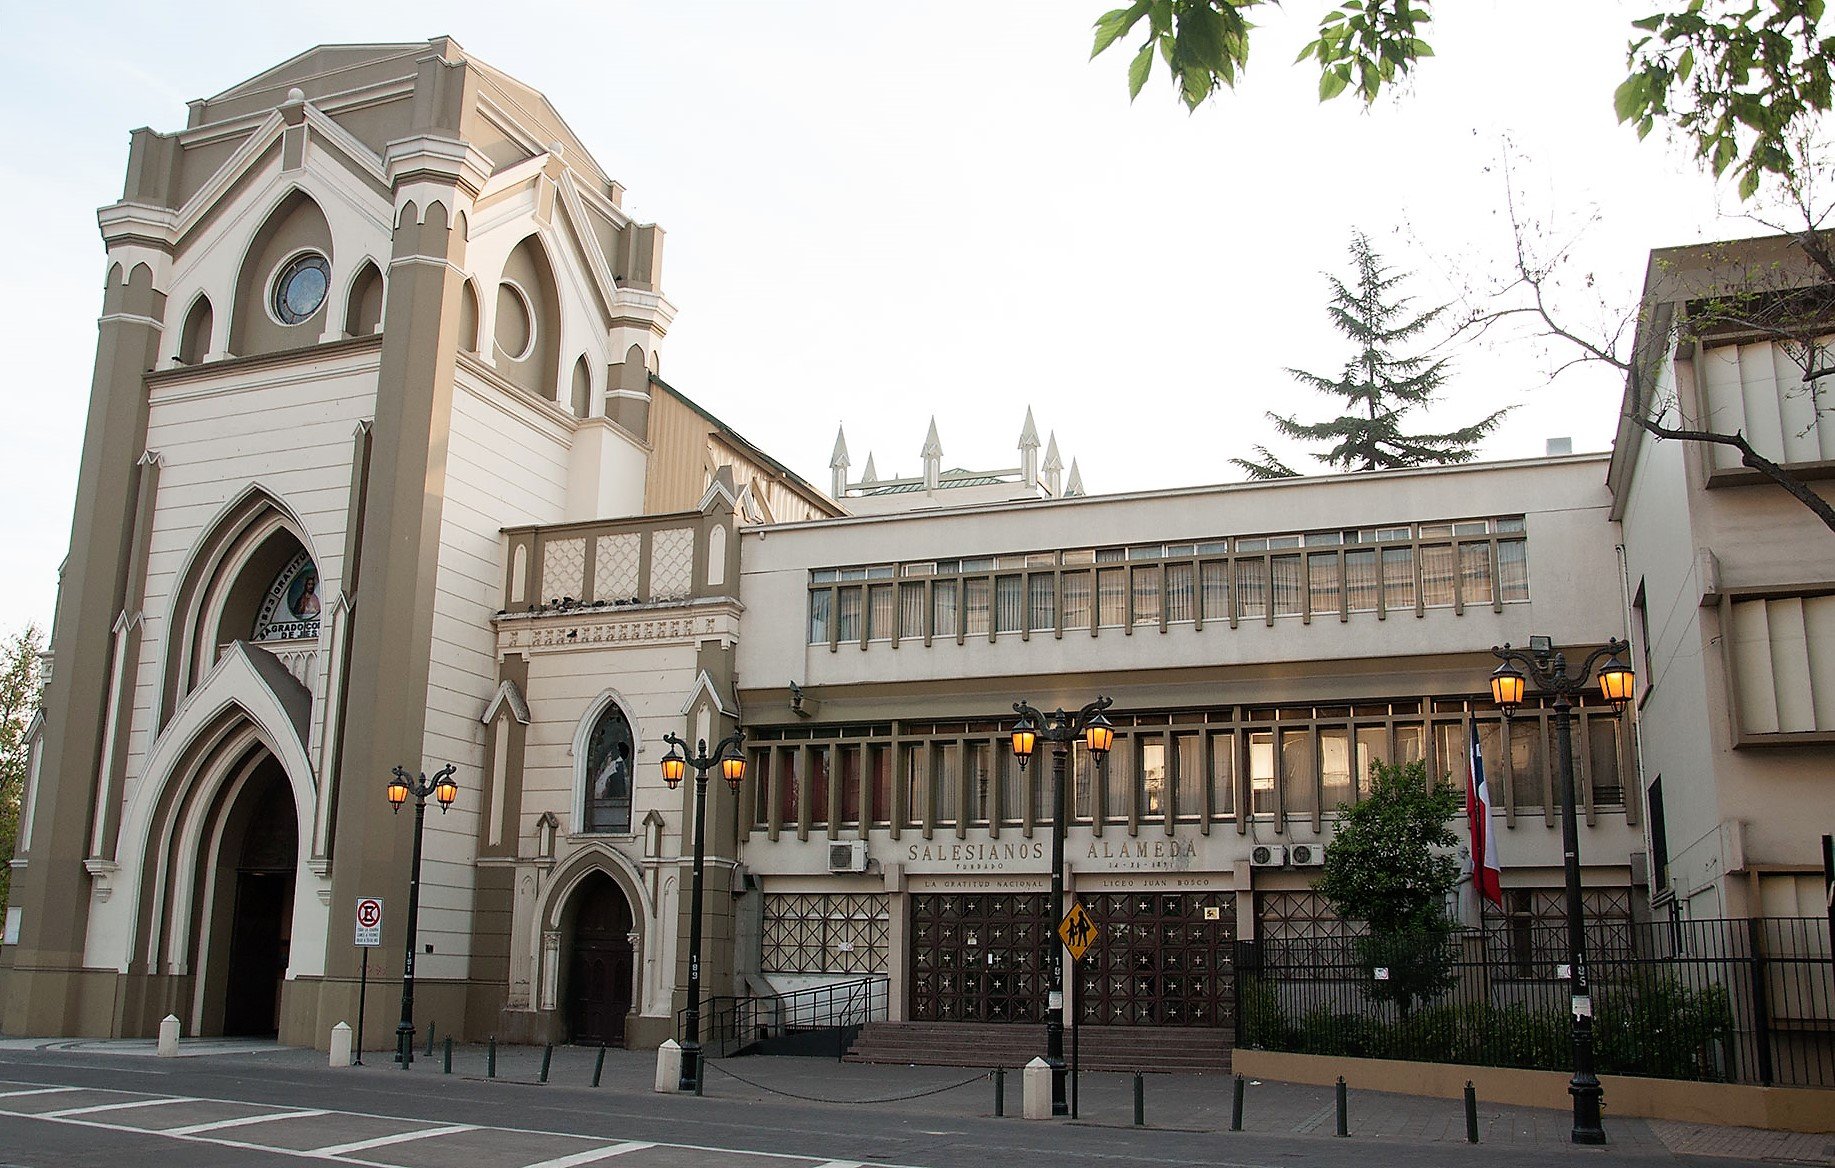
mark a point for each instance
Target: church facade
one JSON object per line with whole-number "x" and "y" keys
{"x": 381, "y": 471}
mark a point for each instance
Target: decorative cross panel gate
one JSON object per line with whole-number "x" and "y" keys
{"x": 1159, "y": 960}
{"x": 979, "y": 957}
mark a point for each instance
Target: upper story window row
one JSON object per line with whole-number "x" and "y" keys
{"x": 1406, "y": 568}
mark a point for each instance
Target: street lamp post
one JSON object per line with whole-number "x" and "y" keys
{"x": 1547, "y": 667}
{"x": 726, "y": 756}
{"x": 1060, "y": 729}
{"x": 444, "y": 790}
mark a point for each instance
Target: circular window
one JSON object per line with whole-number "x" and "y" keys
{"x": 299, "y": 290}
{"x": 515, "y": 325}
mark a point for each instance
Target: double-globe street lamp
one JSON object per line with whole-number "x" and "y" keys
{"x": 1060, "y": 729}
{"x": 444, "y": 791}
{"x": 731, "y": 762}
{"x": 1547, "y": 668}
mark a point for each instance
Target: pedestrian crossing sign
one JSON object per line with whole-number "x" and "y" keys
{"x": 1077, "y": 931}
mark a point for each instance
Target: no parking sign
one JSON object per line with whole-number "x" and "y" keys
{"x": 369, "y": 921}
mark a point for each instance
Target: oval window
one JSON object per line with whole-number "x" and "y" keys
{"x": 515, "y": 326}
{"x": 300, "y": 289}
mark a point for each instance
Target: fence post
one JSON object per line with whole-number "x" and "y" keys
{"x": 1761, "y": 1004}
{"x": 1000, "y": 1092}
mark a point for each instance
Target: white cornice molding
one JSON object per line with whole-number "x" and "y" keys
{"x": 265, "y": 134}
{"x": 635, "y": 308}
{"x": 126, "y": 218}
{"x": 345, "y": 141}
{"x": 507, "y": 695}
{"x": 596, "y": 266}
{"x": 445, "y": 159}
{"x": 704, "y": 684}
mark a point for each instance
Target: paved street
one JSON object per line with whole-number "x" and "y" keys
{"x": 95, "y": 1104}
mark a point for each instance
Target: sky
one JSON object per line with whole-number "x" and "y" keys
{"x": 877, "y": 214}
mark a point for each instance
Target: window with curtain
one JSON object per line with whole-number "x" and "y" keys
{"x": 1013, "y": 783}
{"x": 943, "y": 609}
{"x": 1081, "y": 780}
{"x": 788, "y": 775}
{"x": 879, "y": 612}
{"x": 1475, "y": 572}
{"x": 1602, "y": 750}
{"x": 1299, "y": 772}
{"x": 818, "y": 617}
{"x": 1076, "y": 600}
{"x": 1042, "y": 600}
{"x": 1214, "y": 582}
{"x": 850, "y": 784}
{"x": 879, "y": 782}
{"x": 978, "y": 762}
{"x": 1252, "y": 588}
{"x": 1009, "y": 604}
{"x": 1437, "y": 569}
{"x": 1261, "y": 772}
{"x": 1112, "y": 596}
{"x": 1223, "y": 775}
{"x": 1288, "y": 586}
{"x": 1154, "y": 788}
{"x": 1398, "y": 578}
{"x": 916, "y": 789}
{"x": 1527, "y": 786}
{"x": 1147, "y": 596}
{"x": 1512, "y": 570}
{"x": 1118, "y": 791}
{"x": 1322, "y": 583}
{"x": 1449, "y": 757}
{"x": 1372, "y": 744}
{"x": 847, "y": 621}
{"x": 1188, "y": 776}
{"x": 1179, "y": 598}
{"x": 911, "y": 611}
{"x": 818, "y": 787}
{"x": 759, "y": 775}
{"x": 1410, "y": 743}
{"x": 946, "y": 782}
{"x": 609, "y": 775}
{"x": 975, "y": 606}
{"x": 1335, "y": 786}
{"x": 1360, "y": 580}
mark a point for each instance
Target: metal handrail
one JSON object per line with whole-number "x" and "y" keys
{"x": 731, "y": 1025}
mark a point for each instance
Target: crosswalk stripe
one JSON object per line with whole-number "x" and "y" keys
{"x": 219, "y": 1125}
{"x": 132, "y": 1103}
{"x": 399, "y": 1138}
{"x": 593, "y": 1156}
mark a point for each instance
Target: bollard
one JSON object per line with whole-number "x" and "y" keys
{"x": 547, "y": 1057}
{"x": 669, "y": 1067}
{"x": 168, "y": 1036}
{"x": 404, "y": 1048}
{"x": 1236, "y": 1105}
{"x": 1000, "y": 1092}
{"x": 1140, "y": 1100}
{"x": 599, "y": 1065}
{"x": 1035, "y": 1090}
{"x": 490, "y": 1058}
{"x": 1344, "y": 1118}
{"x": 1471, "y": 1113}
{"x": 340, "y": 1045}
{"x": 430, "y": 1029}
{"x": 446, "y": 1062}
{"x": 700, "y": 1074}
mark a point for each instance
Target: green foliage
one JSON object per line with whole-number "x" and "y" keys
{"x": 1379, "y": 384}
{"x": 1743, "y": 80}
{"x": 1653, "y": 1025}
{"x": 19, "y": 696}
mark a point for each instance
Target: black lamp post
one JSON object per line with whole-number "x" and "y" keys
{"x": 726, "y": 756}
{"x": 1547, "y": 666}
{"x": 444, "y": 790}
{"x": 1060, "y": 729}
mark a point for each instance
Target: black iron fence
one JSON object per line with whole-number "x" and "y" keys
{"x": 818, "y": 1019}
{"x": 1732, "y": 1000}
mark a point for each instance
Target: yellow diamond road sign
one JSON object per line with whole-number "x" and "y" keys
{"x": 1078, "y": 931}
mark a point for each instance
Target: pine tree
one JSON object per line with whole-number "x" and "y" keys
{"x": 1378, "y": 385}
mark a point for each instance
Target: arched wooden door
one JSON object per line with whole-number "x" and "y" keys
{"x": 601, "y": 963}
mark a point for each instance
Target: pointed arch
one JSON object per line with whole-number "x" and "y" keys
{"x": 468, "y": 318}
{"x": 194, "y": 335}
{"x": 527, "y": 339}
{"x": 582, "y": 387}
{"x": 294, "y": 231}
{"x": 237, "y": 554}
{"x": 607, "y": 702}
{"x": 363, "y": 305}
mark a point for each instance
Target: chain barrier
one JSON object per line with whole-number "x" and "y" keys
{"x": 819, "y": 1099}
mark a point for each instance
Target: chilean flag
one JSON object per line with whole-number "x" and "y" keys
{"x": 1486, "y": 875}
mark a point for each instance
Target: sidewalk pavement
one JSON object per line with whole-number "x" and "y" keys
{"x": 1191, "y": 1102}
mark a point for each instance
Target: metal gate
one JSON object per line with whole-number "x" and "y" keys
{"x": 979, "y": 957}
{"x": 1160, "y": 959}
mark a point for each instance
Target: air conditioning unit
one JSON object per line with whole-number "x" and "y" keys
{"x": 1306, "y": 855}
{"x": 1268, "y": 856}
{"x": 850, "y": 856}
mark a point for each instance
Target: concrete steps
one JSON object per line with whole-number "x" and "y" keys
{"x": 992, "y": 1044}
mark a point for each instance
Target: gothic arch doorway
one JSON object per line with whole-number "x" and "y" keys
{"x": 249, "y": 906}
{"x": 600, "y": 962}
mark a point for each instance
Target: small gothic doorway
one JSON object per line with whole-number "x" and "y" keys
{"x": 600, "y": 963}
{"x": 255, "y": 874}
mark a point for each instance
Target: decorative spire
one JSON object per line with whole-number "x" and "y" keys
{"x": 837, "y": 465}
{"x": 1075, "y": 485}
{"x": 871, "y": 473}
{"x": 1054, "y": 466}
{"x": 1029, "y": 452}
{"x": 933, "y": 458}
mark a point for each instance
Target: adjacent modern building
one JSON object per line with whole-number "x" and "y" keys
{"x": 381, "y": 470}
